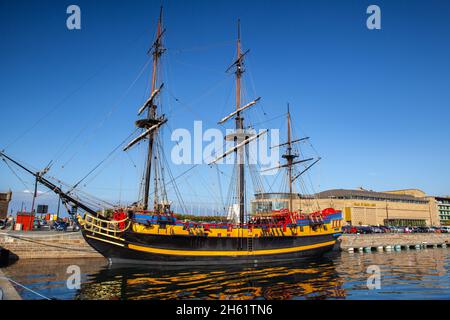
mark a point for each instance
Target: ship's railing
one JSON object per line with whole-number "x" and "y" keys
{"x": 105, "y": 227}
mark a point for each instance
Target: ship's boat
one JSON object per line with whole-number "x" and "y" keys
{"x": 141, "y": 234}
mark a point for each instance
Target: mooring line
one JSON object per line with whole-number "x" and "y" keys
{"x": 43, "y": 244}
{"x": 24, "y": 287}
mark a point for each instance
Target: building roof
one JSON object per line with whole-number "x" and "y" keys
{"x": 413, "y": 192}
{"x": 281, "y": 195}
{"x": 351, "y": 194}
{"x": 5, "y": 196}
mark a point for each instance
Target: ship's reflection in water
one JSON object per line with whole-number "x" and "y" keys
{"x": 413, "y": 274}
{"x": 313, "y": 280}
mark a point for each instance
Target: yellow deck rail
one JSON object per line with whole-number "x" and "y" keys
{"x": 104, "y": 227}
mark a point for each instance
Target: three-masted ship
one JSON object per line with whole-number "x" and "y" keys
{"x": 151, "y": 233}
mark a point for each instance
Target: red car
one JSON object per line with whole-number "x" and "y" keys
{"x": 349, "y": 229}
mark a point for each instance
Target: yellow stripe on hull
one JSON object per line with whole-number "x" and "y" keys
{"x": 200, "y": 253}
{"x": 237, "y": 232}
{"x": 107, "y": 241}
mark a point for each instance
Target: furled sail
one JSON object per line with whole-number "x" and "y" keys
{"x": 248, "y": 105}
{"x": 287, "y": 143}
{"x": 238, "y": 146}
{"x": 143, "y": 135}
{"x": 149, "y": 102}
{"x": 287, "y": 164}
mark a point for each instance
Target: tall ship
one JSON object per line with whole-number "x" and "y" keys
{"x": 150, "y": 232}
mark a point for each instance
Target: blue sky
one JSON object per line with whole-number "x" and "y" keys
{"x": 375, "y": 102}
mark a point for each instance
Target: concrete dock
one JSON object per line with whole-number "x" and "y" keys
{"x": 46, "y": 245}
{"x": 392, "y": 241}
{"x": 7, "y": 290}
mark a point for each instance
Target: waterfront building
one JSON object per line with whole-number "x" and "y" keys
{"x": 409, "y": 207}
{"x": 443, "y": 209}
{"x": 5, "y": 198}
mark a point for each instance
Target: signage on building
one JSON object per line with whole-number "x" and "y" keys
{"x": 364, "y": 204}
{"x": 42, "y": 209}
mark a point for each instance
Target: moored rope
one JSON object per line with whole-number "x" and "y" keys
{"x": 24, "y": 287}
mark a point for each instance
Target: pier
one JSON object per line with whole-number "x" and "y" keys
{"x": 392, "y": 241}
{"x": 46, "y": 245}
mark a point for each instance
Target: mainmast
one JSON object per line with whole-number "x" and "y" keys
{"x": 240, "y": 130}
{"x": 240, "y": 137}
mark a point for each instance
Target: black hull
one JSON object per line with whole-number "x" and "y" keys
{"x": 125, "y": 252}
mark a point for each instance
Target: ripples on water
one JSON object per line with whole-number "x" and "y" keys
{"x": 414, "y": 274}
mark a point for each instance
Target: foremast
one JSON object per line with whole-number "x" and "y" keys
{"x": 157, "y": 51}
{"x": 152, "y": 122}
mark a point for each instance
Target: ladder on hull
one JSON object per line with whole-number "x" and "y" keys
{"x": 250, "y": 243}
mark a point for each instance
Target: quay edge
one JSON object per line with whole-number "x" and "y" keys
{"x": 8, "y": 292}
{"x": 392, "y": 241}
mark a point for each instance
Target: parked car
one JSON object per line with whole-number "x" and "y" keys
{"x": 445, "y": 229}
{"x": 364, "y": 230}
{"x": 349, "y": 229}
{"x": 60, "y": 225}
{"x": 40, "y": 225}
{"x": 376, "y": 229}
{"x": 395, "y": 229}
{"x": 37, "y": 224}
{"x": 413, "y": 229}
{"x": 408, "y": 229}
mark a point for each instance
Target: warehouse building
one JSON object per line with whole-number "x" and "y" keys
{"x": 5, "y": 198}
{"x": 410, "y": 207}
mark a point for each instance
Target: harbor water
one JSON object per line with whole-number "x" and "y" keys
{"x": 404, "y": 274}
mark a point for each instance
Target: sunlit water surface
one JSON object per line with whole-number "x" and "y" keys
{"x": 412, "y": 274}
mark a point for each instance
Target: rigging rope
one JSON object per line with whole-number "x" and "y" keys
{"x": 55, "y": 107}
{"x": 101, "y": 162}
{"x": 24, "y": 287}
{"x": 222, "y": 202}
{"x": 200, "y": 47}
{"x": 109, "y": 114}
{"x": 15, "y": 173}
